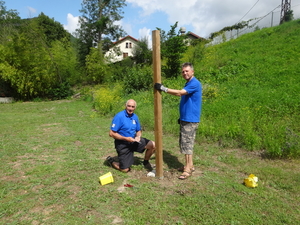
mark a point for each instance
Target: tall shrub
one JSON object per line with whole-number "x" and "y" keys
{"x": 138, "y": 79}
{"x": 107, "y": 99}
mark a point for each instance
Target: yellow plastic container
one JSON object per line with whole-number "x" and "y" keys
{"x": 106, "y": 178}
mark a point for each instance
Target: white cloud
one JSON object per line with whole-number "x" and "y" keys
{"x": 125, "y": 26}
{"x": 72, "y": 24}
{"x": 31, "y": 12}
{"x": 208, "y": 16}
{"x": 145, "y": 33}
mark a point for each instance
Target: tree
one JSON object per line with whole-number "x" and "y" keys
{"x": 26, "y": 64}
{"x": 9, "y": 19}
{"x": 98, "y": 21}
{"x": 288, "y": 16}
{"x": 173, "y": 47}
{"x": 97, "y": 70}
{"x": 142, "y": 54}
{"x": 35, "y": 65}
{"x": 7, "y": 15}
{"x": 52, "y": 29}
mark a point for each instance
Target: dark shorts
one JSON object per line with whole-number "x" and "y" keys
{"x": 126, "y": 151}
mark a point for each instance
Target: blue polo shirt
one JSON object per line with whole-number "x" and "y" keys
{"x": 190, "y": 104}
{"x": 125, "y": 124}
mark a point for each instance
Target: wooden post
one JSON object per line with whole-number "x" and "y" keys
{"x": 157, "y": 104}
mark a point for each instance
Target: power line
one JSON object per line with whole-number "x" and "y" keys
{"x": 249, "y": 10}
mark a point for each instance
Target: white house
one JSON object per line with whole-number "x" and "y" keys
{"x": 121, "y": 49}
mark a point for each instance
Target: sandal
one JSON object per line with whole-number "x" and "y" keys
{"x": 110, "y": 161}
{"x": 118, "y": 168}
{"x": 185, "y": 175}
{"x": 181, "y": 169}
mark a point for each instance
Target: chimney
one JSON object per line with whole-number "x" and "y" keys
{"x": 182, "y": 30}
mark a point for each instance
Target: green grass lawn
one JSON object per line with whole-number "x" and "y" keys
{"x": 52, "y": 154}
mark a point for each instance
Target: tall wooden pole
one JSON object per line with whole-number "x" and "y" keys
{"x": 157, "y": 104}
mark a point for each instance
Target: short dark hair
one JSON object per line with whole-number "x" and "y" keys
{"x": 187, "y": 64}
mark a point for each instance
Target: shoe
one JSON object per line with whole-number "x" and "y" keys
{"x": 124, "y": 171}
{"x": 148, "y": 166}
{"x": 110, "y": 160}
{"x": 185, "y": 175}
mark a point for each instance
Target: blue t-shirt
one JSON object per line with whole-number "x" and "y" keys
{"x": 125, "y": 124}
{"x": 190, "y": 104}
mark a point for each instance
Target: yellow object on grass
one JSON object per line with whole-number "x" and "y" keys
{"x": 251, "y": 181}
{"x": 106, "y": 178}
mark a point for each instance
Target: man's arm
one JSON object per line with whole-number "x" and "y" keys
{"x": 175, "y": 92}
{"x": 117, "y": 136}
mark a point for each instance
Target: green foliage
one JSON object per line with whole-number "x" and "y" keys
{"x": 98, "y": 19}
{"x": 254, "y": 110}
{"x": 141, "y": 53}
{"x": 137, "y": 79}
{"x": 30, "y": 74}
{"x": 236, "y": 26}
{"x": 8, "y": 19}
{"x": 119, "y": 70}
{"x": 288, "y": 16}
{"x": 61, "y": 91}
{"x": 106, "y": 99}
{"x": 194, "y": 52}
{"x": 173, "y": 47}
{"x": 64, "y": 57}
{"x": 52, "y": 29}
{"x": 7, "y": 15}
{"x": 96, "y": 69}
{"x": 33, "y": 68}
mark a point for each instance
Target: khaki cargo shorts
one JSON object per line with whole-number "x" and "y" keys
{"x": 187, "y": 137}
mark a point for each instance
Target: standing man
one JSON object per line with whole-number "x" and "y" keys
{"x": 190, "y": 111}
{"x": 126, "y": 130}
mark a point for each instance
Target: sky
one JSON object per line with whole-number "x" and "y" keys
{"x": 141, "y": 17}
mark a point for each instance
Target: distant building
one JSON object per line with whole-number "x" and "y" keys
{"x": 193, "y": 36}
{"x": 121, "y": 49}
{"x": 190, "y": 35}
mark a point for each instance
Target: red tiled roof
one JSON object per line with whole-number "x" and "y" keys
{"x": 122, "y": 39}
{"x": 195, "y": 35}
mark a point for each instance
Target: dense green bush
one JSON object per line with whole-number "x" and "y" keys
{"x": 97, "y": 71}
{"x": 38, "y": 61}
{"x": 107, "y": 99}
{"x": 61, "y": 91}
{"x": 137, "y": 79}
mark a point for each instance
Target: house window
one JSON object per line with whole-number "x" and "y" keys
{"x": 128, "y": 45}
{"x": 125, "y": 55}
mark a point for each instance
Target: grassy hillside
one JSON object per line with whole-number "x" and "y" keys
{"x": 257, "y": 93}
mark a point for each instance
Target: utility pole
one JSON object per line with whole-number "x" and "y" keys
{"x": 285, "y": 7}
